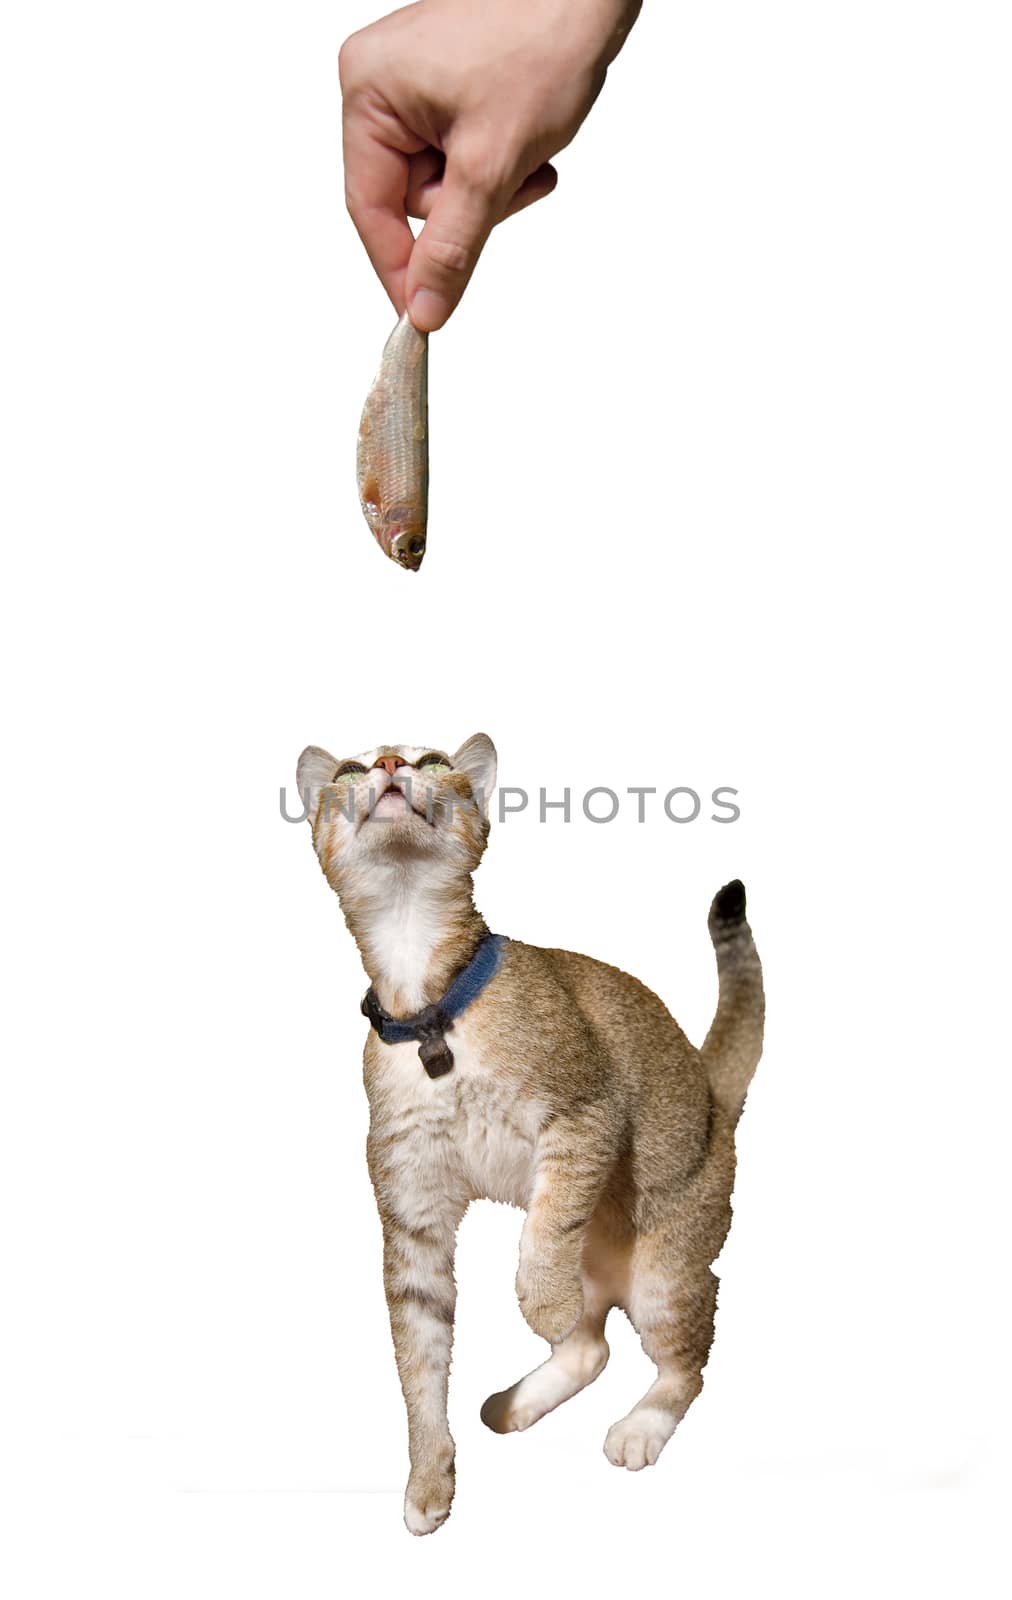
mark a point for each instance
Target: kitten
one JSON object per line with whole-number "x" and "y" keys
{"x": 536, "y": 1077}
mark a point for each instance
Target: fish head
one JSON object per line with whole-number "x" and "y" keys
{"x": 403, "y": 536}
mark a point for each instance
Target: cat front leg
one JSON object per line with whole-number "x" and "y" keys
{"x": 421, "y": 1298}
{"x": 574, "y": 1155}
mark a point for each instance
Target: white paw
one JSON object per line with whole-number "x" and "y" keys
{"x": 427, "y": 1501}
{"x": 568, "y": 1371}
{"x": 424, "y": 1519}
{"x": 525, "y": 1414}
{"x": 639, "y": 1438}
{"x": 518, "y": 1408}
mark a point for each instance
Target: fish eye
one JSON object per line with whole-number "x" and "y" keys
{"x": 348, "y": 771}
{"x": 433, "y": 763}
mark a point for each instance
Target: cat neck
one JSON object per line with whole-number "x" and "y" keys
{"x": 415, "y": 928}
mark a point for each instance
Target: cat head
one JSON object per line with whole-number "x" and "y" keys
{"x": 396, "y": 805}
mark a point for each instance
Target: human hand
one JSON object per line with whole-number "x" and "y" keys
{"x": 452, "y": 112}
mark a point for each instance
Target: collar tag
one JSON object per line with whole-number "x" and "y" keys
{"x": 430, "y": 1025}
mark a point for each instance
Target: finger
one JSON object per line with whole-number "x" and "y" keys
{"x": 536, "y": 187}
{"x": 375, "y": 186}
{"x": 446, "y": 251}
{"x": 426, "y": 175}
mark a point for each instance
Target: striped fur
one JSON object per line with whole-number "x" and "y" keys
{"x": 574, "y": 1095}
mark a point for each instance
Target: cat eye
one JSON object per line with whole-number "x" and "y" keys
{"x": 347, "y": 771}
{"x": 434, "y": 763}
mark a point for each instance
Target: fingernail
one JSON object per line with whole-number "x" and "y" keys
{"x": 429, "y": 310}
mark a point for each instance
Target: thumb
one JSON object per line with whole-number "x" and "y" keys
{"x": 447, "y": 249}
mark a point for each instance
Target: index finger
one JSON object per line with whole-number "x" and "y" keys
{"x": 375, "y": 186}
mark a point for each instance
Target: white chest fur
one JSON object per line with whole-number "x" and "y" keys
{"x": 465, "y": 1134}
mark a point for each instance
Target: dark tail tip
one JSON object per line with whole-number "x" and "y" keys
{"x": 728, "y": 907}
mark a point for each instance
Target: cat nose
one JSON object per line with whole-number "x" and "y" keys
{"x": 390, "y": 764}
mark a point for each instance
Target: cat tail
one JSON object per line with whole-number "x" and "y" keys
{"x": 734, "y": 1043}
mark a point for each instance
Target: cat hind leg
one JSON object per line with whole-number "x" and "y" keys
{"x": 673, "y": 1314}
{"x": 574, "y": 1363}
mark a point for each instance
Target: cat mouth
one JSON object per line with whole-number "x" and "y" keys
{"x": 392, "y": 801}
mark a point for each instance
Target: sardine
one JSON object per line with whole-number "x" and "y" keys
{"x": 393, "y": 448}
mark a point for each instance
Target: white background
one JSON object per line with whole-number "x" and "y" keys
{"x": 720, "y": 496}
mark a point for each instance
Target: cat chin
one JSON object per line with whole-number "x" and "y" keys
{"x": 398, "y": 833}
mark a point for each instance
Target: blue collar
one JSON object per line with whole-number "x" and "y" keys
{"x": 428, "y": 1026}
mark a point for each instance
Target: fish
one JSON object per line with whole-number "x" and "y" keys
{"x": 393, "y": 448}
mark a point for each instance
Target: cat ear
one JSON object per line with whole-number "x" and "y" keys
{"x": 315, "y": 769}
{"x": 476, "y": 758}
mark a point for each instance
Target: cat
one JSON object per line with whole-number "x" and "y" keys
{"x": 537, "y": 1077}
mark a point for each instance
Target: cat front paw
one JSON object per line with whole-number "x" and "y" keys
{"x": 550, "y": 1296}
{"x": 428, "y": 1498}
